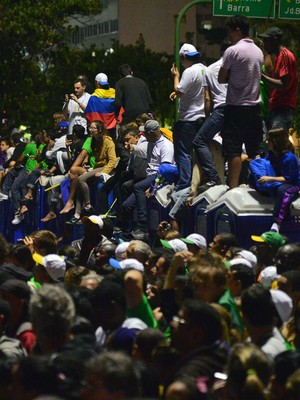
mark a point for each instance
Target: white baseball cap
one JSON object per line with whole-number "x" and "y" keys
{"x": 249, "y": 256}
{"x": 95, "y": 219}
{"x": 102, "y": 79}
{"x": 197, "y": 239}
{"x": 128, "y": 263}
{"x": 188, "y": 50}
{"x": 240, "y": 260}
{"x": 54, "y": 264}
{"x": 283, "y": 304}
{"x": 120, "y": 249}
{"x": 174, "y": 244}
{"x": 267, "y": 276}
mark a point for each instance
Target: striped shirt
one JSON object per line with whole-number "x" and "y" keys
{"x": 244, "y": 60}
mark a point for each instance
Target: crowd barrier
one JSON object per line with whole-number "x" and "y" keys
{"x": 241, "y": 211}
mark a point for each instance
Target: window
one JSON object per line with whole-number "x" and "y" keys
{"x": 114, "y": 25}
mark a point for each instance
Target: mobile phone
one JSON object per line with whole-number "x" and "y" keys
{"x": 20, "y": 241}
{"x": 70, "y": 137}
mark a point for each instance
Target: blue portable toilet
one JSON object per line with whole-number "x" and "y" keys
{"x": 245, "y": 212}
{"x": 196, "y": 218}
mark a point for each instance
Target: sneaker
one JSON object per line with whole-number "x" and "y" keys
{"x": 207, "y": 185}
{"x": 3, "y": 196}
{"x": 74, "y": 221}
{"x": 18, "y": 218}
{"x": 117, "y": 230}
{"x": 88, "y": 211}
{"x": 140, "y": 232}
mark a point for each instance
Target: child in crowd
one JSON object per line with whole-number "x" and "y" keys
{"x": 286, "y": 174}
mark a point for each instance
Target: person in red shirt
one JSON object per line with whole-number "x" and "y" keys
{"x": 284, "y": 82}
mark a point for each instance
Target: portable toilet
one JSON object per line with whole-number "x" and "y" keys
{"x": 245, "y": 212}
{"x": 195, "y": 217}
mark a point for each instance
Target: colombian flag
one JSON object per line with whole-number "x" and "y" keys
{"x": 101, "y": 107}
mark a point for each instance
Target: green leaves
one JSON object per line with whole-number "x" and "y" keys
{"x": 31, "y": 32}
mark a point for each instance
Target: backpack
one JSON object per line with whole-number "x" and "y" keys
{"x": 261, "y": 167}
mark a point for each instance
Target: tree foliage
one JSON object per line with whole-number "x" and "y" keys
{"x": 38, "y": 67}
{"x": 31, "y": 33}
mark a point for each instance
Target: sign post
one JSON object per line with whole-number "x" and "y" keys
{"x": 249, "y": 8}
{"x": 289, "y": 9}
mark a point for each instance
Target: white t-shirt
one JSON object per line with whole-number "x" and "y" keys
{"x": 76, "y": 114}
{"x": 162, "y": 151}
{"x": 218, "y": 90}
{"x": 59, "y": 144}
{"x": 191, "y": 105}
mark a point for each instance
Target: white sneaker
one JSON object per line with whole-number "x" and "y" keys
{"x": 3, "y": 196}
{"x": 18, "y": 218}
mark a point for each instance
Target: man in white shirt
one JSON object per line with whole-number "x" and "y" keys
{"x": 189, "y": 89}
{"x": 75, "y": 105}
{"x": 159, "y": 150}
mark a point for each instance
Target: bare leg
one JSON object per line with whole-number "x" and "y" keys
{"x": 49, "y": 217}
{"x": 52, "y": 212}
{"x": 29, "y": 194}
{"x": 75, "y": 172}
{"x": 23, "y": 209}
{"x": 234, "y": 169}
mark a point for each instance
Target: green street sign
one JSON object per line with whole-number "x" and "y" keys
{"x": 289, "y": 9}
{"x": 250, "y": 8}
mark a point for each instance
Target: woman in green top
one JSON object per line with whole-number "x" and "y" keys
{"x": 98, "y": 156}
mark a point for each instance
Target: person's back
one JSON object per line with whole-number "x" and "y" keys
{"x": 288, "y": 97}
{"x": 192, "y": 103}
{"x": 241, "y": 69}
{"x": 132, "y": 94}
{"x": 218, "y": 91}
{"x": 244, "y": 59}
{"x": 259, "y": 315}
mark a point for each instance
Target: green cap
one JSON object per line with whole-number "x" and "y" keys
{"x": 273, "y": 239}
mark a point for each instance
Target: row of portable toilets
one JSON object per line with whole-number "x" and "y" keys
{"x": 241, "y": 211}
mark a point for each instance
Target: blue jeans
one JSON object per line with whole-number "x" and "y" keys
{"x": 19, "y": 189}
{"x": 183, "y": 135}
{"x": 206, "y": 133}
{"x": 33, "y": 177}
{"x": 137, "y": 200}
{"x": 9, "y": 180}
{"x": 179, "y": 199}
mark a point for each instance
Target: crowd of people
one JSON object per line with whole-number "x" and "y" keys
{"x": 185, "y": 319}
{"x": 110, "y": 316}
{"x": 111, "y": 137}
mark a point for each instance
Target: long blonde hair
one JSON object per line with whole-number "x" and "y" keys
{"x": 249, "y": 372}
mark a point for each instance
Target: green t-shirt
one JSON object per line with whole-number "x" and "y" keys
{"x": 30, "y": 150}
{"x": 43, "y": 163}
{"x": 144, "y": 312}
{"x": 87, "y": 145}
{"x": 228, "y": 302}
